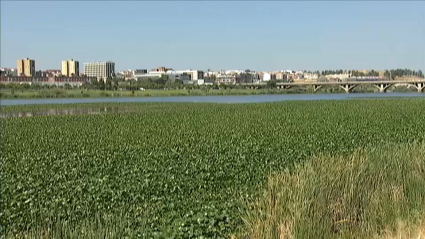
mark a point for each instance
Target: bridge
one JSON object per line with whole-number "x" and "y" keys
{"x": 349, "y": 84}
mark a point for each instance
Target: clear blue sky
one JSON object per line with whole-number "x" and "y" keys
{"x": 217, "y": 35}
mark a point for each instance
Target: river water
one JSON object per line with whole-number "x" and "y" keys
{"x": 70, "y": 111}
{"x": 214, "y": 99}
{"x": 206, "y": 99}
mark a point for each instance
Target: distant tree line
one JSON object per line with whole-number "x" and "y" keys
{"x": 403, "y": 72}
{"x": 360, "y": 73}
{"x": 332, "y": 72}
{"x": 312, "y": 72}
{"x": 394, "y": 73}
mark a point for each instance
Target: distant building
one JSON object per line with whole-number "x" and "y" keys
{"x": 171, "y": 75}
{"x": 151, "y": 75}
{"x": 46, "y": 80}
{"x": 70, "y": 68}
{"x": 183, "y": 77}
{"x": 311, "y": 76}
{"x": 161, "y": 69}
{"x": 101, "y": 70}
{"x": 40, "y": 74}
{"x": 194, "y": 74}
{"x": 205, "y": 82}
{"x": 338, "y": 76}
{"x": 231, "y": 72}
{"x": 129, "y": 74}
{"x": 298, "y": 76}
{"x": 55, "y": 73}
{"x": 140, "y": 71}
{"x": 281, "y": 76}
{"x": 245, "y": 78}
{"x": 268, "y": 76}
{"x": 25, "y": 67}
{"x": 226, "y": 79}
{"x": 8, "y": 72}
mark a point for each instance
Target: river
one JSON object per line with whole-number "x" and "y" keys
{"x": 214, "y": 99}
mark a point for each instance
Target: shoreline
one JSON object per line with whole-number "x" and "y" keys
{"x": 87, "y": 94}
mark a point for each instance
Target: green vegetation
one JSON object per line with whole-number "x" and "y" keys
{"x": 364, "y": 195}
{"x": 199, "y": 91}
{"x": 387, "y": 73}
{"x": 61, "y": 93}
{"x": 403, "y": 72}
{"x": 179, "y": 170}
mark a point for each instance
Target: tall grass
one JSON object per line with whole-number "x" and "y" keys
{"x": 375, "y": 192}
{"x": 98, "y": 227}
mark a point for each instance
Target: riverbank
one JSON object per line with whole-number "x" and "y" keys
{"x": 77, "y": 93}
{"x": 60, "y": 93}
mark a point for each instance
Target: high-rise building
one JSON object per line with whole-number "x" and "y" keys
{"x": 70, "y": 68}
{"x": 26, "y": 67}
{"x": 101, "y": 70}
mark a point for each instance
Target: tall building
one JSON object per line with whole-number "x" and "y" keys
{"x": 101, "y": 70}
{"x": 26, "y": 67}
{"x": 70, "y": 68}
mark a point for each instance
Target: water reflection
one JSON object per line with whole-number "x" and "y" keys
{"x": 70, "y": 111}
{"x": 214, "y": 99}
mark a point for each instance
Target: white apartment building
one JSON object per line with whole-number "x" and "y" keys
{"x": 100, "y": 69}
{"x": 267, "y": 76}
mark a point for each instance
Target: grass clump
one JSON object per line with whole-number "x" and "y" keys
{"x": 365, "y": 195}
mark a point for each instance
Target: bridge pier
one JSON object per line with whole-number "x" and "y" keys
{"x": 347, "y": 87}
{"x": 316, "y": 87}
{"x": 419, "y": 86}
{"x": 382, "y": 87}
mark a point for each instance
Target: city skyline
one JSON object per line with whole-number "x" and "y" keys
{"x": 75, "y": 69}
{"x": 217, "y": 35}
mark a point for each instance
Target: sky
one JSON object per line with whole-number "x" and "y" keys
{"x": 262, "y": 36}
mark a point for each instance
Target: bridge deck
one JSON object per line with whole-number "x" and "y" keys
{"x": 353, "y": 82}
{"x": 340, "y": 83}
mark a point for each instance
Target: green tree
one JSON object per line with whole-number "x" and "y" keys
{"x": 115, "y": 84}
{"x": 101, "y": 84}
{"x": 108, "y": 84}
{"x": 223, "y": 86}
{"x": 271, "y": 84}
{"x": 169, "y": 84}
